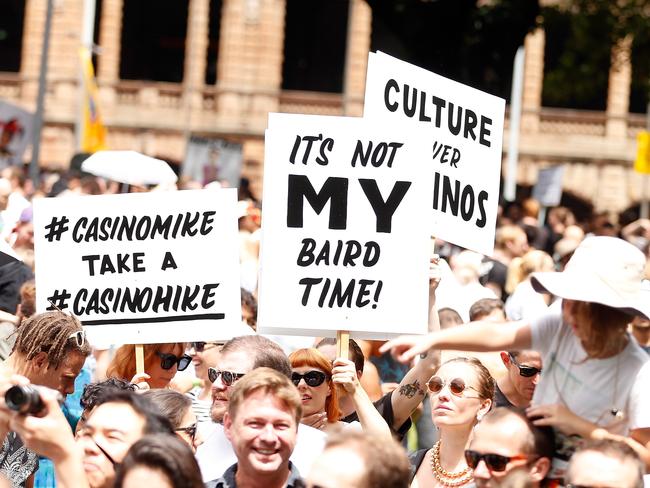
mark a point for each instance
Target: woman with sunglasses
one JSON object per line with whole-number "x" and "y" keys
{"x": 204, "y": 356}
{"x": 317, "y": 380}
{"x": 178, "y": 409}
{"x": 595, "y": 378}
{"x": 161, "y": 362}
{"x": 461, "y": 393}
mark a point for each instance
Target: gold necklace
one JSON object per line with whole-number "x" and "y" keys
{"x": 446, "y": 478}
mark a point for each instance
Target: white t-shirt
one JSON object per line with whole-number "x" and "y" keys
{"x": 216, "y": 454}
{"x": 591, "y": 388}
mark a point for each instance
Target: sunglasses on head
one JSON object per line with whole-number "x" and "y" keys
{"x": 525, "y": 371}
{"x": 190, "y": 430}
{"x": 201, "y": 346}
{"x": 457, "y": 386}
{"x": 79, "y": 337}
{"x": 494, "y": 462}
{"x": 168, "y": 360}
{"x": 312, "y": 378}
{"x": 227, "y": 377}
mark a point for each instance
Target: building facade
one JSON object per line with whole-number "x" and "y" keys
{"x": 248, "y": 42}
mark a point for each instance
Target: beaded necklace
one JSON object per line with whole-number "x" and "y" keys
{"x": 445, "y": 478}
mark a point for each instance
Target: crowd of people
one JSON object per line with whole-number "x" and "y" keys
{"x": 535, "y": 372}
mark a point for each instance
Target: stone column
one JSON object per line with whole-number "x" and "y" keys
{"x": 249, "y": 68}
{"x": 533, "y": 80}
{"x": 618, "y": 93}
{"x": 108, "y": 64}
{"x": 196, "y": 44}
{"x": 34, "y": 24}
{"x": 356, "y": 59}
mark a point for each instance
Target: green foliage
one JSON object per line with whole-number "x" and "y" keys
{"x": 579, "y": 38}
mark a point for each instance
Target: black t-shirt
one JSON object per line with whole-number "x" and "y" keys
{"x": 385, "y": 408}
{"x": 500, "y": 399}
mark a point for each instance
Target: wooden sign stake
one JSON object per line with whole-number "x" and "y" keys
{"x": 139, "y": 359}
{"x": 342, "y": 343}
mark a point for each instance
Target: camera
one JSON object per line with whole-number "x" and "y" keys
{"x": 24, "y": 399}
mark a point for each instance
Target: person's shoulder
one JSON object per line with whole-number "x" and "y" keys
{"x": 227, "y": 480}
{"x": 416, "y": 458}
{"x": 643, "y": 374}
{"x": 295, "y": 479}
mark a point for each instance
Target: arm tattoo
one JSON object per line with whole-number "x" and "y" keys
{"x": 412, "y": 389}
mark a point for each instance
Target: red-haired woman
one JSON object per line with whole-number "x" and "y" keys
{"x": 161, "y": 362}
{"x": 317, "y": 380}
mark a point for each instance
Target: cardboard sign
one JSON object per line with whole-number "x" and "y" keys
{"x": 465, "y": 131}
{"x": 208, "y": 160}
{"x": 141, "y": 268}
{"x": 345, "y": 245}
{"x": 548, "y": 189}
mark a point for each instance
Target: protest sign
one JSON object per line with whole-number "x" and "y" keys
{"x": 548, "y": 189}
{"x": 208, "y": 160}
{"x": 465, "y": 131}
{"x": 16, "y": 128}
{"x": 343, "y": 243}
{"x": 141, "y": 268}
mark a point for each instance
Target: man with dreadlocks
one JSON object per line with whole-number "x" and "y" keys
{"x": 50, "y": 350}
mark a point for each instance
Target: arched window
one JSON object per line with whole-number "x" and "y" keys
{"x": 314, "y": 45}
{"x": 153, "y": 40}
{"x": 12, "y": 16}
{"x": 213, "y": 42}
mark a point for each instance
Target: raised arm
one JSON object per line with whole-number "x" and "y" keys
{"x": 412, "y": 389}
{"x": 475, "y": 336}
{"x": 371, "y": 421}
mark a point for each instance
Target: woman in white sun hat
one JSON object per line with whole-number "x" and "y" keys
{"x": 596, "y": 379}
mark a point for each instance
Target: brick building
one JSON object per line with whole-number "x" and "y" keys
{"x": 225, "y": 70}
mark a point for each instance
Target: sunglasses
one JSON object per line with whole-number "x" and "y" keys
{"x": 168, "y": 360}
{"x": 79, "y": 337}
{"x": 228, "y": 377}
{"x": 494, "y": 462}
{"x": 312, "y": 378}
{"x": 200, "y": 346}
{"x": 457, "y": 386}
{"x": 525, "y": 371}
{"x": 190, "y": 430}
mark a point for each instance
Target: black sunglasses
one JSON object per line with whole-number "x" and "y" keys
{"x": 228, "y": 377}
{"x": 200, "y": 346}
{"x": 525, "y": 371}
{"x": 312, "y": 378}
{"x": 457, "y": 386}
{"x": 494, "y": 462}
{"x": 168, "y": 360}
{"x": 190, "y": 430}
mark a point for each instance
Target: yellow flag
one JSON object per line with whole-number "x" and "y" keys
{"x": 642, "y": 162}
{"x": 93, "y": 132}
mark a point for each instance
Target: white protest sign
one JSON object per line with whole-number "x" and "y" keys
{"x": 465, "y": 131}
{"x": 141, "y": 268}
{"x": 343, "y": 244}
{"x": 548, "y": 189}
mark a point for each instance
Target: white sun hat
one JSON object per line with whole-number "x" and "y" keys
{"x": 604, "y": 270}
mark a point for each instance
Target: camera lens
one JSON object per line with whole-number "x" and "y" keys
{"x": 24, "y": 399}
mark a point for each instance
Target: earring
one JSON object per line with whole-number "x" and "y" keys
{"x": 479, "y": 417}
